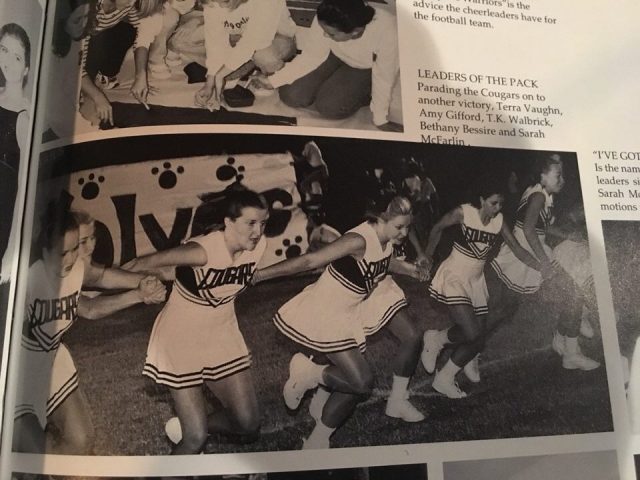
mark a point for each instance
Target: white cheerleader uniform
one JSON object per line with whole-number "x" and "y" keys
{"x": 196, "y": 337}
{"x": 515, "y": 274}
{"x": 48, "y": 374}
{"x": 351, "y": 300}
{"x": 460, "y": 280}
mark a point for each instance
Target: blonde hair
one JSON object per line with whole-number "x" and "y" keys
{"x": 396, "y": 207}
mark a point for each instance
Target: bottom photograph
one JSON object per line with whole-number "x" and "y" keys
{"x": 576, "y": 466}
{"x": 254, "y": 293}
{"x": 405, "y": 472}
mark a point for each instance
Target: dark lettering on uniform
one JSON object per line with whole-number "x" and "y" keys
{"x": 240, "y": 275}
{"x": 374, "y": 271}
{"x": 48, "y": 310}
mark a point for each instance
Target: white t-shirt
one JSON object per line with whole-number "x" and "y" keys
{"x": 377, "y": 49}
{"x": 256, "y": 22}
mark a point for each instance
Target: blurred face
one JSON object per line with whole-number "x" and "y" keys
{"x": 63, "y": 254}
{"x": 552, "y": 180}
{"x": 247, "y": 229}
{"x": 87, "y": 240}
{"x": 396, "y": 229}
{"x": 338, "y": 35}
{"x": 77, "y": 21}
{"x": 413, "y": 184}
{"x": 492, "y": 205}
{"x": 230, "y": 4}
{"x": 13, "y": 63}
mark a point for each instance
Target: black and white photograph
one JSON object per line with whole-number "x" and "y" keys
{"x": 405, "y": 472}
{"x": 575, "y": 466}
{"x": 623, "y": 261}
{"x": 19, "y": 40}
{"x": 323, "y": 63}
{"x": 264, "y": 293}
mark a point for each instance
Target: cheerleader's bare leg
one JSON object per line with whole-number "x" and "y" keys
{"x": 468, "y": 336}
{"x": 349, "y": 380}
{"x": 565, "y": 299}
{"x": 73, "y": 421}
{"x": 240, "y": 415}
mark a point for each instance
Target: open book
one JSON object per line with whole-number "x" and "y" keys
{"x": 290, "y": 239}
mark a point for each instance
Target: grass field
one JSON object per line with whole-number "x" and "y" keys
{"x": 524, "y": 390}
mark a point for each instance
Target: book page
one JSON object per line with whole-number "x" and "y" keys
{"x": 20, "y": 39}
{"x": 341, "y": 239}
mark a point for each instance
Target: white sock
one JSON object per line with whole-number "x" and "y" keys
{"x": 399, "y": 388}
{"x": 443, "y": 336}
{"x": 571, "y": 345}
{"x": 449, "y": 370}
{"x": 321, "y": 432}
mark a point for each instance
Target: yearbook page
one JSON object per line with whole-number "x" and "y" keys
{"x": 338, "y": 239}
{"x": 20, "y": 39}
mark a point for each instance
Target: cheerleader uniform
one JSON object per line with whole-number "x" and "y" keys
{"x": 196, "y": 337}
{"x": 351, "y": 300}
{"x": 515, "y": 274}
{"x": 460, "y": 280}
{"x": 48, "y": 374}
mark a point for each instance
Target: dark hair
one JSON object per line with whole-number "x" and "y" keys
{"x": 18, "y": 32}
{"x": 56, "y": 222}
{"x": 237, "y": 200}
{"x": 485, "y": 186}
{"x": 345, "y": 15}
{"x": 387, "y": 208}
{"x": 543, "y": 164}
{"x": 61, "y": 39}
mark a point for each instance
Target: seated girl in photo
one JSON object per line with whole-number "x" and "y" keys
{"x": 351, "y": 61}
{"x": 119, "y": 25}
{"x": 240, "y": 36}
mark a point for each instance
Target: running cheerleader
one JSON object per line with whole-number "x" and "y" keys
{"x": 459, "y": 284}
{"x": 195, "y": 340}
{"x": 351, "y": 300}
{"x": 534, "y": 220}
{"x": 49, "y": 393}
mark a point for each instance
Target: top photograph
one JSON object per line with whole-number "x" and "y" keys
{"x": 131, "y": 63}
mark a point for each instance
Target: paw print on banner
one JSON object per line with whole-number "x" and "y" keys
{"x": 290, "y": 249}
{"x": 230, "y": 171}
{"x": 168, "y": 178}
{"x": 90, "y": 186}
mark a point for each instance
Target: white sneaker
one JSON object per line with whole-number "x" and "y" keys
{"x": 431, "y": 350}
{"x": 472, "y": 369}
{"x": 446, "y": 387}
{"x": 300, "y": 380}
{"x": 173, "y": 430}
{"x": 403, "y": 410}
{"x": 317, "y": 403}
{"x": 105, "y": 82}
{"x": 559, "y": 344}
{"x": 586, "y": 330}
{"x": 577, "y": 361}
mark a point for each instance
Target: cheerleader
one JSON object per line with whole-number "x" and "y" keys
{"x": 195, "y": 340}
{"x": 49, "y": 392}
{"x": 534, "y": 220}
{"x": 459, "y": 283}
{"x": 351, "y": 300}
